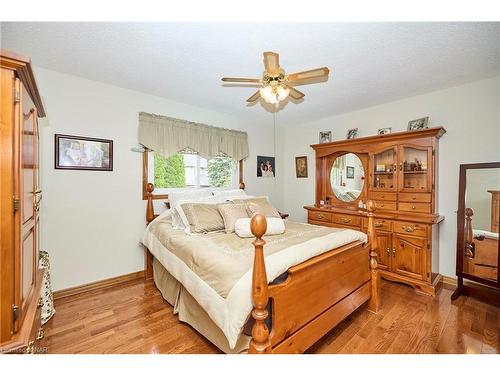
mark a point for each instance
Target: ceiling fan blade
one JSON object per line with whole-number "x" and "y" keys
{"x": 296, "y": 94}
{"x": 254, "y": 97}
{"x": 249, "y": 80}
{"x": 272, "y": 63}
{"x": 308, "y": 74}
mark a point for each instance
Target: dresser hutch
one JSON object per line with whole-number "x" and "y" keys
{"x": 398, "y": 172}
{"x": 20, "y": 195}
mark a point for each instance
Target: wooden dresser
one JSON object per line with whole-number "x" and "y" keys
{"x": 20, "y": 194}
{"x": 399, "y": 172}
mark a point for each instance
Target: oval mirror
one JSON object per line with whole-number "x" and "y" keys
{"x": 347, "y": 177}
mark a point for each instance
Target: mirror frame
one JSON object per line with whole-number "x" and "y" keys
{"x": 461, "y": 288}
{"x": 364, "y": 157}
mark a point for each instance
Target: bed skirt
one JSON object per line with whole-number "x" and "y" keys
{"x": 190, "y": 312}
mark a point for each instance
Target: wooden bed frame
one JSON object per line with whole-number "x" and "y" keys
{"x": 317, "y": 294}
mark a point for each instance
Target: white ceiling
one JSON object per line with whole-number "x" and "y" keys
{"x": 370, "y": 63}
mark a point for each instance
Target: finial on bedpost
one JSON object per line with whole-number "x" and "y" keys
{"x": 150, "y": 212}
{"x": 260, "y": 343}
{"x": 374, "y": 302}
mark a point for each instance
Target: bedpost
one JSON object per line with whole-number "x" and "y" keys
{"x": 260, "y": 343}
{"x": 150, "y": 211}
{"x": 374, "y": 302}
{"x": 241, "y": 183}
{"x": 469, "y": 236}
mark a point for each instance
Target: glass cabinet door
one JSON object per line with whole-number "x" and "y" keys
{"x": 415, "y": 168}
{"x": 383, "y": 174}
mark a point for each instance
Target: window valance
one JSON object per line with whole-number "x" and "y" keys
{"x": 168, "y": 136}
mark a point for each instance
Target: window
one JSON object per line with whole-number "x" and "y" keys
{"x": 188, "y": 171}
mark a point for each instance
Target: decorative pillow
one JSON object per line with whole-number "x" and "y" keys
{"x": 202, "y": 217}
{"x": 274, "y": 226}
{"x": 230, "y": 213}
{"x": 179, "y": 220}
{"x": 259, "y": 205}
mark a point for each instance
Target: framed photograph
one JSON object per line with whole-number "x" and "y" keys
{"x": 325, "y": 137}
{"x": 349, "y": 172}
{"x": 384, "y": 131}
{"x": 265, "y": 166}
{"x": 301, "y": 166}
{"x": 352, "y": 133}
{"x": 75, "y": 152}
{"x": 420, "y": 123}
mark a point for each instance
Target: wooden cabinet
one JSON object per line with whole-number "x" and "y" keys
{"x": 401, "y": 180}
{"x": 20, "y": 196}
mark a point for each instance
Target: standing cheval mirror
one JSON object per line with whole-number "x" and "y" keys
{"x": 478, "y": 222}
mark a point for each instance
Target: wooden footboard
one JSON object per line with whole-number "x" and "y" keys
{"x": 316, "y": 296}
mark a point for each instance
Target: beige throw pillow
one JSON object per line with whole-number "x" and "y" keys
{"x": 203, "y": 217}
{"x": 259, "y": 205}
{"x": 231, "y": 212}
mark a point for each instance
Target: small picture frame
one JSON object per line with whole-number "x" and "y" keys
{"x": 349, "y": 172}
{"x": 325, "y": 137}
{"x": 266, "y": 166}
{"x": 420, "y": 123}
{"x": 301, "y": 166}
{"x": 83, "y": 153}
{"x": 383, "y": 131}
{"x": 352, "y": 133}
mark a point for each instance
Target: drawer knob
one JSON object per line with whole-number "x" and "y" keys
{"x": 393, "y": 252}
{"x": 408, "y": 229}
{"x": 320, "y": 216}
{"x": 382, "y": 196}
{"x": 378, "y": 225}
{"x": 413, "y": 207}
{"x": 388, "y": 251}
{"x": 414, "y": 197}
{"x": 40, "y": 302}
{"x": 381, "y": 205}
{"x": 345, "y": 220}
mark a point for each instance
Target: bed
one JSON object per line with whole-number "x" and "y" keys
{"x": 310, "y": 279}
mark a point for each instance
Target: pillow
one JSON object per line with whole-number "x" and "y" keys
{"x": 259, "y": 205}
{"x": 274, "y": 226}
{"x": 224, "y": 195}
{"x": 202, "y": 217}
{"x": 230, "y": 213}
{"x": 175, "y": 197}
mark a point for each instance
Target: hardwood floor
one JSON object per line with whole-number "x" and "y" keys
{"x": 134, "y": 318}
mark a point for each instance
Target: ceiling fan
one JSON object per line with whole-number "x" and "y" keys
{"x": 276, "y": 85}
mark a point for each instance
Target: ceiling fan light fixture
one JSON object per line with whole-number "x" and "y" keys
{"x": 283, "y": 92}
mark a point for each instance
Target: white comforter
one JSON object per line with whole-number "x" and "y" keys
{"x": 231, "y": 313}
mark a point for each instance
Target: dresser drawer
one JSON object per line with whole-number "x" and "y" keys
{"x": 407, "y": 227}
{"x": 380, "y": 224}
{"x": 319, "y": 216}
{"x": 385, "y": 205}
{"x": 378, "y": 195}
{"x": 415, "y": 197}
{"x": 350, "y": 220}
{"x": 415, "y": 207}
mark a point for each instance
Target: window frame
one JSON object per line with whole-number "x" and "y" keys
{"x": 145, "y": 177}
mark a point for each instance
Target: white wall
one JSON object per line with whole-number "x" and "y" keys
{"x": 92, "y": 222}
{"x": 470, "y": 113}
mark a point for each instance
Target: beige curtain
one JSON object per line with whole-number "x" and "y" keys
{"x": 168, "y": 136}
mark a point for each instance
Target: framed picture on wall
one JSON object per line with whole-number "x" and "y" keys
{"x": 265, "y": 166}
{"x": 301, "y": 166}
{"x": 84, "y": 153}
{"x": 349, "y": 172}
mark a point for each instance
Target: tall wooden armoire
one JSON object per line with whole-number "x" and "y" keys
{"x": 20, "y": 194}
